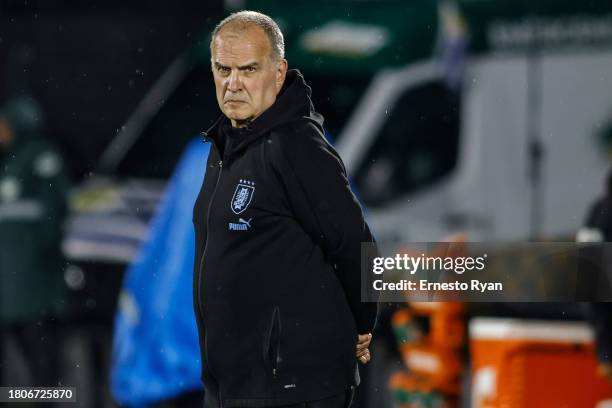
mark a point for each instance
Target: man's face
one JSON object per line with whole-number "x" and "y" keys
{"x": 6, "y": 134}
{"x": 247, "y": 79}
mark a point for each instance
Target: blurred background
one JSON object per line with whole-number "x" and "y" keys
{"x": 459, "y": 121}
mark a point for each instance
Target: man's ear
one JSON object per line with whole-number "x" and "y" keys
{"x": 281, "y": 72}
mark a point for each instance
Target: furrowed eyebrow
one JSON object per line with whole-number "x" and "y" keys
{"x": 241, "y": 67}
{"x": 251, "y": 65}
{"x": 217, "y": 65}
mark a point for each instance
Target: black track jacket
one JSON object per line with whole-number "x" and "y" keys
{"x": 277, "y": 266}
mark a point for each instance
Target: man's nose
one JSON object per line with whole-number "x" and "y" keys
{"x": 234, "y": 82}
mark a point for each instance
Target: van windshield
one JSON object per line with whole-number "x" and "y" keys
{"x": 416, "y": 146}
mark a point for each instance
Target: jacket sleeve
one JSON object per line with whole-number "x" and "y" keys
{"x": 318, "y": 190}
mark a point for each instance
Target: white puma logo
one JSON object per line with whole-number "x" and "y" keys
{"x": 242, "y": 225}
{"x": 248, "y": 223}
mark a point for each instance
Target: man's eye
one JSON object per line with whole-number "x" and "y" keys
{"x": 224, "y": 70}
{"x": 251, "y": 69}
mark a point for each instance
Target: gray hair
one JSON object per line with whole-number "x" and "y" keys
{"x": 245, "y": 19}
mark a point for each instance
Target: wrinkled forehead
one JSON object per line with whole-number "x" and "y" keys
{"x": 238, "y": 44}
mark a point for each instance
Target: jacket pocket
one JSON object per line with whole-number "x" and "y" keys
{"x": 271, "y": 346}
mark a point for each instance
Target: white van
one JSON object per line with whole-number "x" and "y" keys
{"x": 516, "y": 154}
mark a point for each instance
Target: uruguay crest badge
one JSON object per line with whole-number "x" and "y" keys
{"x": 242, "y": 196}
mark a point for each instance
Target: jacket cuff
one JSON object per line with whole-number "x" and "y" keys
{"x": 367, "y": 319}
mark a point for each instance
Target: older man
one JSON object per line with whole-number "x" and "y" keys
{"x": 278, "y": 237}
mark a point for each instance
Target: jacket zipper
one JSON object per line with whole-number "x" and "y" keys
{"x": 212, "y": 198}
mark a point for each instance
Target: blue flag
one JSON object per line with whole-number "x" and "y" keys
{"x": 155, "y": 346}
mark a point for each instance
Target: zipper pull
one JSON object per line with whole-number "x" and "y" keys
{"x": 274, "y": 372}
{"x": 220, "y": 163}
